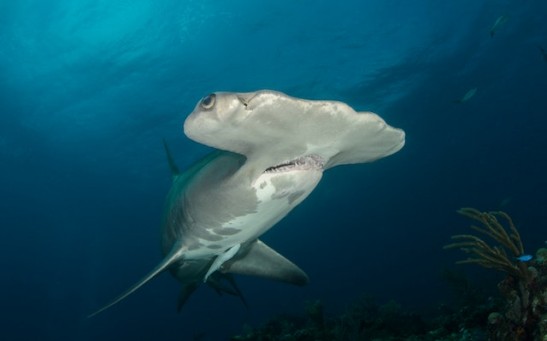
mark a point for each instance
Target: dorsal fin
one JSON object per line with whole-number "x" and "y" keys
{"x": 173, "y": 256}
{"x": 172, "y": 165}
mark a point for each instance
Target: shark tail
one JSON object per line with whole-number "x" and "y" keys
{"x": 173, "y": 256}
{"x": 172, "y": 165}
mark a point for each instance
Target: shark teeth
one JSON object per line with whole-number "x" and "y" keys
{"x": 302, "y": 163}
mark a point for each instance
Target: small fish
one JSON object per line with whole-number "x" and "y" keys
{"x": 502, "y": 19}
{"x": 524, "y": 258}
{"x": 470, "y": 93}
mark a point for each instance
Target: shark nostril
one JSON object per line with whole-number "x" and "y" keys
{"x": 243, "y": 101}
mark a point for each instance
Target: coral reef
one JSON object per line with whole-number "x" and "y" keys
{"x": 519, "y": 314}
{"x": 492, "y": 256}
{"x": 524, "y": 289}
{"x": 366, "y": 320}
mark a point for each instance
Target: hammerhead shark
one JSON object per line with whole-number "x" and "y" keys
{"x": 272, "y": 151}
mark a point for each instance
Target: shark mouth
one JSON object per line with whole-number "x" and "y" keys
{"x": 307, "y": 162}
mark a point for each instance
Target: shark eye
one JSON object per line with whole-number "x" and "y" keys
{"x": 208, "y": 102}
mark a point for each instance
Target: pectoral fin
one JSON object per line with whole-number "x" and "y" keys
{"x": 262, "y": 261}
{"x": 172, "y": 257}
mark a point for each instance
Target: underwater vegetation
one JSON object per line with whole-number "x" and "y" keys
{"x": 524, "y": 289}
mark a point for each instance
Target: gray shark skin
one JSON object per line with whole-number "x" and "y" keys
{"x": 273, "y": 150}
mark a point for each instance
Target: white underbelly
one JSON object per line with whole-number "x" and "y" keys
{"x": 277, "y": 195}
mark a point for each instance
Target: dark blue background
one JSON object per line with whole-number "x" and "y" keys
{"x": 88, "y": 89}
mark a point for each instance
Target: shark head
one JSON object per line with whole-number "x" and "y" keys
{"x": 273, "y": 150}
{"x": 271, "y": 128}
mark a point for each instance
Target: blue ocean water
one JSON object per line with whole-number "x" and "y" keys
{"x": 88, "y": 90}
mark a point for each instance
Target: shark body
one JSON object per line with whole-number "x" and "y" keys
{"x": 273, "y": 150}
